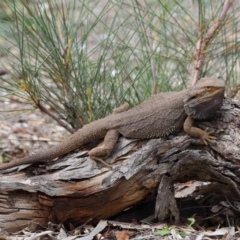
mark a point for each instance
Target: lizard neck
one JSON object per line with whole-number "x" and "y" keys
{"x": 204, "y": 110}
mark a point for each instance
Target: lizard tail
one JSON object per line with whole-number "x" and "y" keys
{"x": 88, "y": 133}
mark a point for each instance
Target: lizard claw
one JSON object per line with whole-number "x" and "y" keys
{"x": 98, "y": 154}
{"x": 95, "y": 159}
{"x": 207, "y": 136}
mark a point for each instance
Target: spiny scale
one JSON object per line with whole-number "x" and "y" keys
{"x": 156, "y": 117}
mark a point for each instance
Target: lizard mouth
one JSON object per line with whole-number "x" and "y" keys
{"x": 209, "y": 96}
{"x": 205, "y": 96}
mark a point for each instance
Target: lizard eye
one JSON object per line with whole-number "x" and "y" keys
{"x": 208, "y": 88}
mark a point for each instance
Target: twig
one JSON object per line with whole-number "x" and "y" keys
{"x": 196, "y": 66}
{"x": 214, "y": 215}
{"x": 60, "y": 122}
{"x": 235, "y": 91}
{"x": 3, "y": 72}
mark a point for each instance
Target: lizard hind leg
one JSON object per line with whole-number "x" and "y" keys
{"x": 104, "y": 149}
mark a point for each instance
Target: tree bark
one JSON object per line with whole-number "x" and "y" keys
{"x": 73, "y": 189}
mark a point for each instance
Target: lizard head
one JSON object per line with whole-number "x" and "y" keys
{"x": 204, "y": 98}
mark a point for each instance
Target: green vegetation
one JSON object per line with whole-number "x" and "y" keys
{"x": 77, "y": 60}
{"x": 183, "y": 232}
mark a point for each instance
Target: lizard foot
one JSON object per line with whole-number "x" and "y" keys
{"x": 207, "y": 137}
{"x": 95, "y": 159}
{"x": 99, "y": 153}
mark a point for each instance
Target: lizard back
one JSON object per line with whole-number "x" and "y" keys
{"x": 158, "y": 116}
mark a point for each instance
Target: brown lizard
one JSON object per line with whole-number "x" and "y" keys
{"x": 159, "y": 116}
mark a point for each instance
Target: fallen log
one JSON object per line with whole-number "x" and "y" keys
{"x": 73, "y": 189}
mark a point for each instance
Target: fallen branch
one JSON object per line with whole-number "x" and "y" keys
{"x": 74, "y": 190}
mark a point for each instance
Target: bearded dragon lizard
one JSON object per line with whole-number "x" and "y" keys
{"x": 159, "y": 116}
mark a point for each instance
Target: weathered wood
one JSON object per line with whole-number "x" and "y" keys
{"x": 74, "y": 190}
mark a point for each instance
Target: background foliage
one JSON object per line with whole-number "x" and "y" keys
{"x": 77, "y": 60}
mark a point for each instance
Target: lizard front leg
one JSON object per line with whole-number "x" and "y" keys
{"x": 105, "y": 148}
{"x": 204, "y": 135}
